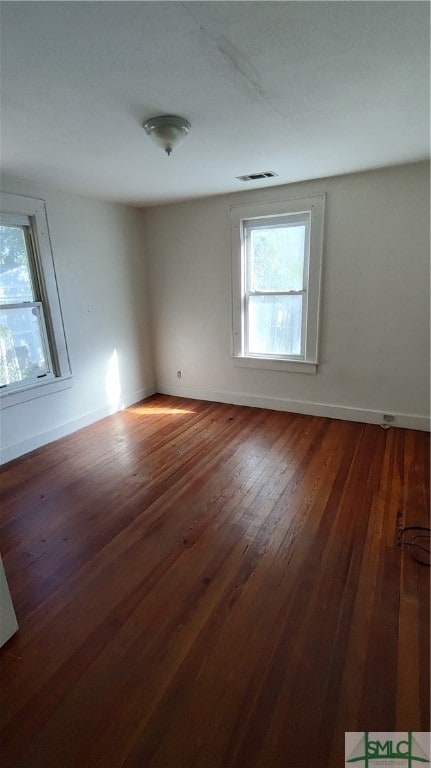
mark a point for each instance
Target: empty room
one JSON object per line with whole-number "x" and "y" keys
{"x": 214, "y": 384}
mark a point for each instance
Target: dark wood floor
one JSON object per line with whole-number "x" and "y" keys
{"x": 200, "y": 584}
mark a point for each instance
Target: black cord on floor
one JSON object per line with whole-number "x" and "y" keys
{"x": 410, "y": 536}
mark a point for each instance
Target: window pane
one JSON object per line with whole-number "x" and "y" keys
{"x": 274, "y": 325}
{"x": 22, "y": 354}
{"x": 277, "y": 258}
{"x": 15, "y": 276}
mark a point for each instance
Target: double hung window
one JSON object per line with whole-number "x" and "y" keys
{"x": 276, "y": 267}
{"x": 32, "y": 344}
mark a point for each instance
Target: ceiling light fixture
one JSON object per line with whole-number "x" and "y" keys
{"x": 167, "y": 130}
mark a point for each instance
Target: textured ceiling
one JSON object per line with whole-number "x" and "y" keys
{"x": 305, "y": 89}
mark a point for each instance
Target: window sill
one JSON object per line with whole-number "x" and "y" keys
{"x": 273, "y": 364}
{"x": 33, "y": 390}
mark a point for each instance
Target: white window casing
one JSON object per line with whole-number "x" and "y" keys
{"x": 309, "y": 213}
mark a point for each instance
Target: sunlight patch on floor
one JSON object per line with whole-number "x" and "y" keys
{"x": 148, "y": 410}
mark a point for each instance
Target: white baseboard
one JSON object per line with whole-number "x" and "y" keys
{"x": 403, "y": 420}
{"x": 9, "y": 452}
{"x": 332, "y": 411}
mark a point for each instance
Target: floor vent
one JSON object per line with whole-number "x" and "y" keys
{"x": 257, "y": 176}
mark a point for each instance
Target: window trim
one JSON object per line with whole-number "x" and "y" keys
{"x": 314, "y": 206}
{"x": 30, "y": 210}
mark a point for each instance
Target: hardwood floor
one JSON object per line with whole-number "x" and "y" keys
{"x": 205, "y": 585}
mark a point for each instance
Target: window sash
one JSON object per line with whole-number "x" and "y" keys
{"x": 31, "y": 265}
{"x": 14, "y": 220}
{"x": 272, "y": 355}
{"x": 47, "y": 373}
{"x": 273, "y": 222}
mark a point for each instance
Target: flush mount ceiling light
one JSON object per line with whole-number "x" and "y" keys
{"x": 167, "y": 130}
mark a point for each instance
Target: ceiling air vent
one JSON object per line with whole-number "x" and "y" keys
{"x": 257, "y": 176}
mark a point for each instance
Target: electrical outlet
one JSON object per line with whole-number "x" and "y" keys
{"x": 179, "y": 374}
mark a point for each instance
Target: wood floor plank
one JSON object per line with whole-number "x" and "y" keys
{"x": 200, "y": 585}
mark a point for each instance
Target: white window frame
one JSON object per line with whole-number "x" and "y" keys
{"x": 312, "y": 208}
{"x": 28, "y": 211}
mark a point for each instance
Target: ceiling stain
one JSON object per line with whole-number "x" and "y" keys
{"x": 237, "y": 60}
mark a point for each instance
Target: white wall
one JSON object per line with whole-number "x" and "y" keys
{"x": 99, "y": 257}
{"x": 374, "y": 341}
